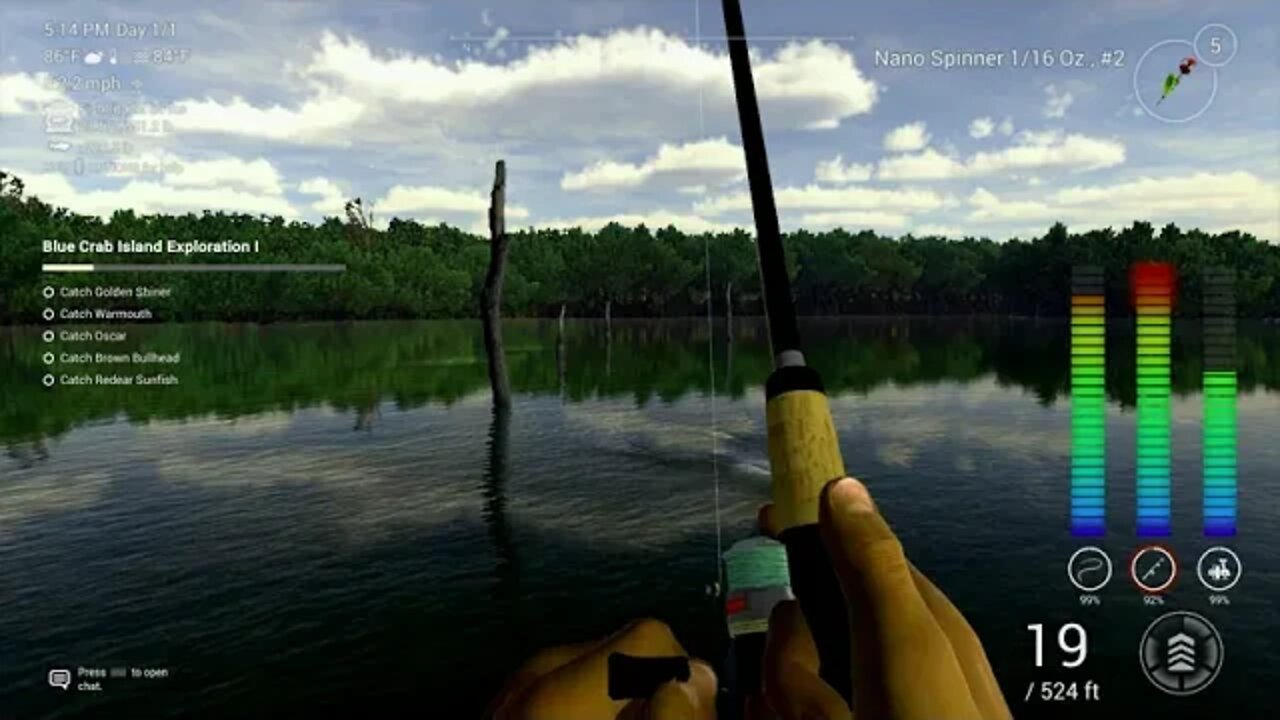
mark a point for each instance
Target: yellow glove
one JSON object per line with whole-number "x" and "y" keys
{"x": 914, "y": 655}
{"x": 571, "y": 682}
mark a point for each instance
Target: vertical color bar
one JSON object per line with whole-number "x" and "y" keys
{"x": 1220, "y": 503}
{"x": 1088, "y": 403}
{"x": 1153, "y": 291}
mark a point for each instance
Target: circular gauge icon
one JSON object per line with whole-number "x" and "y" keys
{"x": 1153, "y": 569}
{"x": 1219, "y": 569}
{"x": 1089, "y": 569}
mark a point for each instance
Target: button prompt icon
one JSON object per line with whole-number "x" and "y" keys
{"x": 1181, "y": 653}
{"x": 60, "y": 678}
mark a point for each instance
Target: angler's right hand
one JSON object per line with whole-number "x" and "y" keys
{"x": 914, "y": 655}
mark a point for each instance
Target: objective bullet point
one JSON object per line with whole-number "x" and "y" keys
{"x": 48, "y": 336}
{"x": 49, "y": 380}
{"x": 48, "y": 292}
{"x": 48, "y": 314}
{"x": 48, "y": 358}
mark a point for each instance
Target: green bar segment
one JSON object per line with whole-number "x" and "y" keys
{"x": 1088, "y": 415}
{"x": 1220, "y": 392}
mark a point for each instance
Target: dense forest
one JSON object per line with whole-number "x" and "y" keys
{"x": 410, "y": 270}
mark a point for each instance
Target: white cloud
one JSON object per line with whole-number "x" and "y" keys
{"x": 697, "y": 223}
{"x": 253, "y": 175}
{"x": 981, "y": 127}
{"x": 637, "y": 83}
{"x": 319, "y": 119}
{"x": 906, "y": 138}
{"x": 707, "y": 162}
{"x": 803, "y": 83}
{"x": 837, "y": 171}
{"x": 149, "y": 197}
{"x": 653, "y": 220}
{"x": 1211, "y": 201}
{"x": 948, "y": 231}
{"x": 926, "y": 165}
{"x": 988, "y": 207}
{"x": 257, "y": 175}
{"x": 1006, "y": 126}
{"x": 853, "y": 219}
{"x": 319, "y": 186}
{"x": 1077, "y": 152}
{"x": 1056, "y": 103}
{"x": 814, "y": 198}
{"x": 1031, "y": 150}
{"x": 428, "y": 201}
{"x": 25, "y": 94}
{"x": 1240, "y": 192}
{"x": 1039, "y": 137}
{"x": 333, "y": 200}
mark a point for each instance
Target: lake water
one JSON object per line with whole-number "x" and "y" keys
{"x": 324, "y": 516}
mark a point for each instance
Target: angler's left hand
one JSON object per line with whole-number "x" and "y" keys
{"x": 570, "y": 682}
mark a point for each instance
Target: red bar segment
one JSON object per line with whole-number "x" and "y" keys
{"x": 1153, "y": 284}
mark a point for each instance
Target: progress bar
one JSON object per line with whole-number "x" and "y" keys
{"x": 1088, "y": 403}
{"x": 188, "y": 268}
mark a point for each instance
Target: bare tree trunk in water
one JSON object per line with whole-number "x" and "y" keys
{"x": 608, "y": 317}
{"x": 728, "y": 309}
{"x": 491, "y": 296}
{"x": 728, "y": 365}
{"x": 560, "y": 354}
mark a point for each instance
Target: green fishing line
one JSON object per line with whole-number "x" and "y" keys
{"x": 756, "y": 562}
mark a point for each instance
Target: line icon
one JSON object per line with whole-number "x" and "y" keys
{"x": 1089, "y": 569}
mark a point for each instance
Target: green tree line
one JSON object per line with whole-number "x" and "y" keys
{"x": 411, "y": 270}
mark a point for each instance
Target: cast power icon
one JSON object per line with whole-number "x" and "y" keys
{"x": 1182, "y": 654}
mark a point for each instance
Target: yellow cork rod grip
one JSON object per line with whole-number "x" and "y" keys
{"x": 804, "y": 454}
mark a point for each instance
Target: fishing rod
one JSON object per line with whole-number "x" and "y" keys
{"x": 804, "y": 453}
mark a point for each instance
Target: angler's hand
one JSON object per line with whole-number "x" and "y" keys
{"x": 914, "y": 655}
{"x": 571, "y": 682}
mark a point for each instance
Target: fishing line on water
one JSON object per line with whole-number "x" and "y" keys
{"x": 711, "y": 339}
{"x": 715, "y": 435}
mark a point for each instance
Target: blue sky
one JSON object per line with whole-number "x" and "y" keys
{"x": 623, "y": 110}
